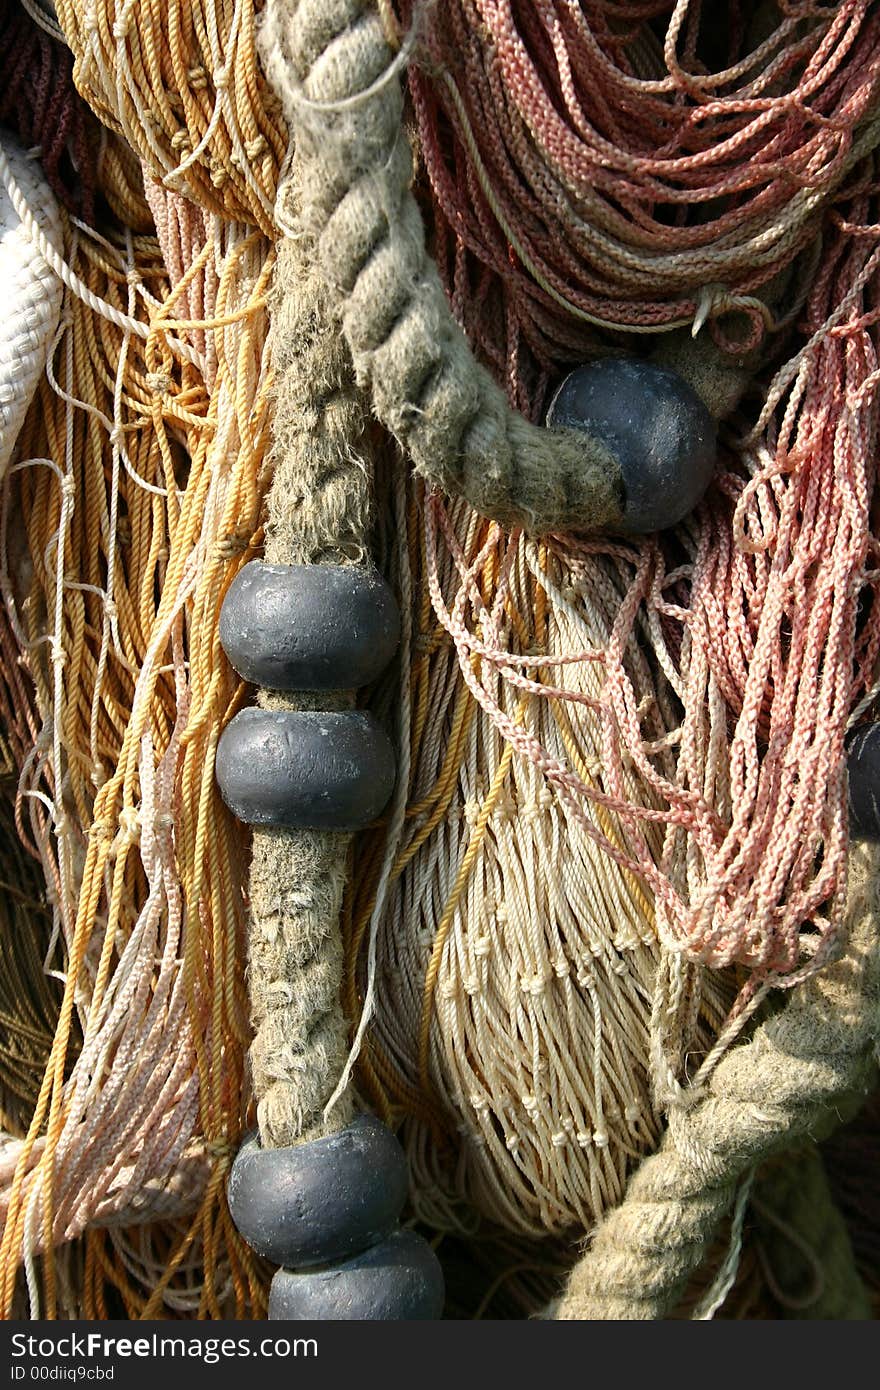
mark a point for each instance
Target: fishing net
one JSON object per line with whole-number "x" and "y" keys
{"x": 620, "y": 824}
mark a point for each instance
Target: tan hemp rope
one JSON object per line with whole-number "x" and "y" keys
{"x": 318, "y": 513}
{"x": 337, "y": 76}
{"x": 780, "y": 1088}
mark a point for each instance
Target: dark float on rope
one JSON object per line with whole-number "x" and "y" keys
{"x": 324, "y": 1201}
{"x": 398, "y": 1280}
{"x": 655, "y": 426}
{"x": 309, "y": 627}
{"x": 304, "y": 769}
{"x": 327, "y": 1212}
{"x": 863, "y": 766}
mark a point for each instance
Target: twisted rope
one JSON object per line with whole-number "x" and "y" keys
{"x": 336, "y": 73}
{"x": 803, "y": 1243}
{"x": 319, "y": 507}
{"x": 763, "y": 1096}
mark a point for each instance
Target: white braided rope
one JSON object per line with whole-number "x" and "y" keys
{"x": 33, "y": 228}
{"x": 31, "y": 292}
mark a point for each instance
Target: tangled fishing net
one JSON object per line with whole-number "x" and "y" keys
{"x": 685, "y": 736}
{"x": 620, "y": 824}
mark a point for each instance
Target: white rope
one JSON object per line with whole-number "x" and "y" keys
{"x": 31, "y": 296}
{"x": 53, "y": 258}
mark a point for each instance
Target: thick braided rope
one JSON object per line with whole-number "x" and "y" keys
{"x": 32, "y": 293}
{"x": 763, "y": 1096}
{"x": 319, "y": 507}
{"x": 804, "y": 1243}
{"x": 337, "y": 75}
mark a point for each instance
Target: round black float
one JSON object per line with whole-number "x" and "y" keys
{"x": 398, "y": 1280}
{"x": 305, "y": 770}
{"x": 319, "y": 1202}
{"x": 309, "y": 627}
{"x": 655, "y": 426}
{"x": 863, "y": 765}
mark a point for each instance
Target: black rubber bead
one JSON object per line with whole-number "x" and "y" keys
{"x": 309, "y": 627}
{"x": 301, "y": 769}
{"x": 319, "y": 1202}
{"x": 398, "y": 1280}
{"x": 863, "y": 765}
{"x": 656, "y": 427}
